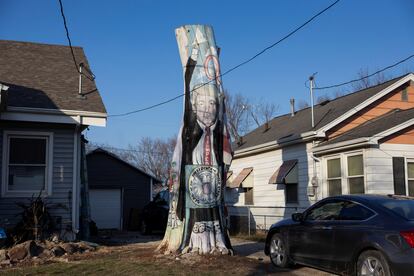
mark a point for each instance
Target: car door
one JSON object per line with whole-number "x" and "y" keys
{"x": 311, "y": 241}
{"x": 349, "y": 232}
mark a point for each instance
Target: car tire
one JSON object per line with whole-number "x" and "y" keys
{"x": 144, "y": 228}
{"x": 372, "y": 262}
{"x": 278, "y": 251}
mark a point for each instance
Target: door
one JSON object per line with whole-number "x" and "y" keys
{"x": 106, "y": 208}
{"x": 311, "y": 241}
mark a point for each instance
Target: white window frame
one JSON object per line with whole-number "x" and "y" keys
{"x": 347, "y": 176}
{"x": 407, "y": 160}
{"x": 48, "y": 136}
{"x": 344, "y": 170}
{"x": 334, "y": 178}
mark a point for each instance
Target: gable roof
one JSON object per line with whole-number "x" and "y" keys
{"x": 375, "y": 127}
{"x": 286, "y": 126}
{"x": 112, "y": 155}
{"x": 44, "y": 76}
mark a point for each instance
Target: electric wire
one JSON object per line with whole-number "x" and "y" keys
{"x": 365, "y": 77}
{"x": 92, "y": 77}
{"x": 237, "y": 66}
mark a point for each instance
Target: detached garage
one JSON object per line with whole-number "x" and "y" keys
{"x": 117, "y": 190}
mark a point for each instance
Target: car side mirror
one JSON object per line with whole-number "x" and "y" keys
{"x": 297, "y": 217}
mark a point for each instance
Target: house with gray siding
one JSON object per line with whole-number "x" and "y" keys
{"x": 45, "y": 106}
{"x": 362, "y": 142}
{"x": 118, "y": 190}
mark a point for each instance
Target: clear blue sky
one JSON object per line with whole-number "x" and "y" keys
{"x": 132, "y": 50}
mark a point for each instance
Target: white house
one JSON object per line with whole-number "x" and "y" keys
{"x": 361, "y": 143}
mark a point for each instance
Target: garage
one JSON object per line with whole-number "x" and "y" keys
{"x": 106, "y": 208}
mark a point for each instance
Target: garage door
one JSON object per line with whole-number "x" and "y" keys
{"x": 106, "y": 208}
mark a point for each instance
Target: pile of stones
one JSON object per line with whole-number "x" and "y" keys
{"x": 43, "y": 250}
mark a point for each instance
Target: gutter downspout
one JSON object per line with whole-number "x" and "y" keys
{"x": 314, "y": 180}
{"x": 75, "y": 181}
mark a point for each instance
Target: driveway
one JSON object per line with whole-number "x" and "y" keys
{"x": 254, "y": 250}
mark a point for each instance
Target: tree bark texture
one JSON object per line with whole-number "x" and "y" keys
{"x": 202, "y": 154}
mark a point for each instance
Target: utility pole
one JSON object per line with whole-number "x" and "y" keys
{"x": 311, "y": 78}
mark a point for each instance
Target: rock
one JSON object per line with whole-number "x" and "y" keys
{"x": 3, "y": 255}
{"x": 46, "y": 254}
{"x": 5, "y": 262}
{"x": 70, "y": 248}
{"x": 57, "y": 251}
{"x": 55, "y": 238}
{"x": 23, "y": 250}
{"x": 85, "y": 246}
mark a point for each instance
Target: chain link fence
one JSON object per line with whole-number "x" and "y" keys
{"x": 249, "y": 219}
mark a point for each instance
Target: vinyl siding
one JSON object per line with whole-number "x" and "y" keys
{"x": 62, "y": 175}
{"x": 272, "y": 195}
{"x": 379, "y": 171}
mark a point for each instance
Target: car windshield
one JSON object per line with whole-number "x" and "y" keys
{"x": 403, "y": 207}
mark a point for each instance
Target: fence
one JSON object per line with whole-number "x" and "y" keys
{"x": 248, "y": 219}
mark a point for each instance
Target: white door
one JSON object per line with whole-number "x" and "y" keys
{"x": 106, "y": 208}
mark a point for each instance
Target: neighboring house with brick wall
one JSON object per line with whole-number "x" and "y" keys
{"x": 362, "y": 142}
{"x": 43, "y": 113}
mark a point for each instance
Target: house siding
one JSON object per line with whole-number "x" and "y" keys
{"x": 272, "y": 195}
{"x": 389, "y": 102}
{"x": 379, "y": 171}
{"x": 62, "y": 175}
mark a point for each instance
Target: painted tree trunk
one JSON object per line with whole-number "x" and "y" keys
{"x": 202, "y": 155}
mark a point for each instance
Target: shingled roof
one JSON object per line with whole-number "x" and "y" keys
{"x": 44, "y": 76}
{"x": 286, "y": 125}
{"x": 375, "y": 126}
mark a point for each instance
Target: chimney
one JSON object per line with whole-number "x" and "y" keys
{"x": 292, "y": 107}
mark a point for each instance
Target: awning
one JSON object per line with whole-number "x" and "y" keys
{"x": 286, "y": 173}
{"x": 243, "y": 178}
{"x": 229, "y": 178}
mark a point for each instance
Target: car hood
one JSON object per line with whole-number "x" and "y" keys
{"x": 283, "y": 222}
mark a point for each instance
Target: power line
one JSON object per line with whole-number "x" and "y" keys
{"x": 368, "y": 76}
{"x": 92, "y": 77}
{"x": 146, "y": 108}
{"x": 238, "y": 65}
{"x": 129, "y": 150}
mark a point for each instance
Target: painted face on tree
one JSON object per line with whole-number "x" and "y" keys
{"x": 205, "y": 105}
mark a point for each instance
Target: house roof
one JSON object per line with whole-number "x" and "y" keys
{"x": 44, "y": 76}
{"x": 375, "y": 126}
{"x": 285, "y": 126}
{"x": 103, "y": 151}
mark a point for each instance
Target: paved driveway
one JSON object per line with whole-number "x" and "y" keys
{"x": 254, "y": 250}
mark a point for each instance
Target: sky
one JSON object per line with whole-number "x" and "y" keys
{"x": 132, "y": 50}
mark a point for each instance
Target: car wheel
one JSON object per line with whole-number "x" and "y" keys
{"x": 278, "y": 251}
{"x": 372, "y": 263}
{"x": 144, "y": 228}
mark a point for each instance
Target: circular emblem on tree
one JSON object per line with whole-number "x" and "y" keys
{"x": 204, "y": 185}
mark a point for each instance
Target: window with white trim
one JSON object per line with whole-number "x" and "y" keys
{"x": 355, "y": 165}
{"x": 345, "y": 174}
{"x": 334, "y": 176}
{"x": 410, "y": 177}
{"x": 26, "y": 163}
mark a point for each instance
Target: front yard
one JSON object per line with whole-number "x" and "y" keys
{"x": 138, "y": 257}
